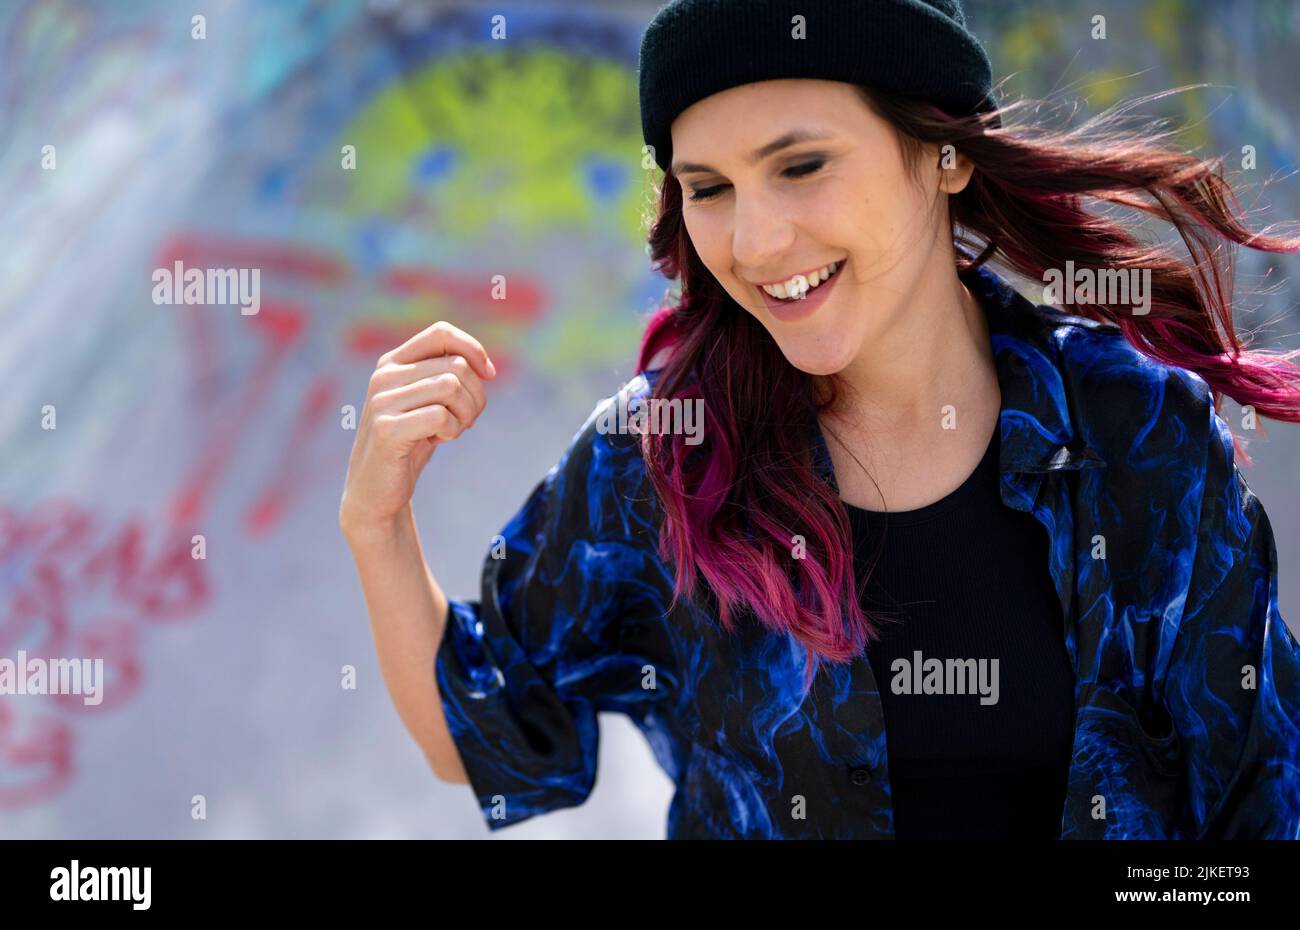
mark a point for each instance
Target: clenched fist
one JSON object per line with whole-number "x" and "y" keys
{"x": 423, "y": 393}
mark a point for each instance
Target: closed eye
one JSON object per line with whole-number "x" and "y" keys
{"x": 795, "y": 171}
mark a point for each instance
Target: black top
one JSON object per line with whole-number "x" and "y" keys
{"x": 966, "y": 578}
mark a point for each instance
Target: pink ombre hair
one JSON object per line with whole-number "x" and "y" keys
{"x": 734, "y": 503}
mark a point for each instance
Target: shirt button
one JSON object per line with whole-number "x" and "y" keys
{"x": 860, "y": 776}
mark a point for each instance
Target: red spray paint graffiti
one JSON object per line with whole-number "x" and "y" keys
{"x": 70, "y": 587}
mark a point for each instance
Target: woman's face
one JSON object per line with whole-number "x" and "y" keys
{"x": 762, "y": 205}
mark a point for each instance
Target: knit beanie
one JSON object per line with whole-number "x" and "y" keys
{"x": 695, "y": 48}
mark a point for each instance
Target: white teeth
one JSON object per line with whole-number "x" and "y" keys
{"x": 797, "y": 286}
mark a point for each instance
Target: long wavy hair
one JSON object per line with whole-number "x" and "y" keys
{"x": 735, "y": 504}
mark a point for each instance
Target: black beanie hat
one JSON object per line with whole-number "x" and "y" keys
{"x": 695, "y": 48}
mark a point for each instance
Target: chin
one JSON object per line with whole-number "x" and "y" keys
{"x": 829, "y": 358}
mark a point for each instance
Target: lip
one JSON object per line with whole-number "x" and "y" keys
{"x": 790, "y": 310}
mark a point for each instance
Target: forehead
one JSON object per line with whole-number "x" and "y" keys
{"x": 736, "y": 122}
{"x": 768, "y": 98}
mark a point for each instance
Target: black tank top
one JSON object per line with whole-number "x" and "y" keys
{"x": 966, "y": 578}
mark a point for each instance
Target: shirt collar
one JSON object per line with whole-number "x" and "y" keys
{"x": 1037, "y": 432}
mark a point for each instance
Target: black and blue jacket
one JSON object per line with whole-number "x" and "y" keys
{"x": 1187, "y": 698}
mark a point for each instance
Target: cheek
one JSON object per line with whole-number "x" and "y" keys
{"x": 889, "y": 221}
{"x": 850, "y": 213}
{"x": 708, "y": 241}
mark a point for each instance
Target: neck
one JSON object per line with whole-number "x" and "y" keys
{"x": 938, "y": 355}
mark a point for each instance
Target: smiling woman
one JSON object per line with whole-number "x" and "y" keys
{"x": 915, "y": 392}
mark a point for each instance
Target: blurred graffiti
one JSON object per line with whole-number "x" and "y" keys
{"x": 378, "y": 172}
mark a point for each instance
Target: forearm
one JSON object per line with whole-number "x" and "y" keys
{"x": 407, "y": 615}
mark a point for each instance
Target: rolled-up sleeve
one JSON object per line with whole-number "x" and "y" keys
{"x": 1233, "y": 687}
{"x": 523, "y": 670}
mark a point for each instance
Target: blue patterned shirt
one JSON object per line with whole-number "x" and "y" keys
{"x": 1187, "y": 705}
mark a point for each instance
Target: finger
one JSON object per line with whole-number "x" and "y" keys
{"x": 444, "y": 388}
{"x": 394, "y": 376}
{"x": 432, "y": 421}
{"x": 443, "y": 339}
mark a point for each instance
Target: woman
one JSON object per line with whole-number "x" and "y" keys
{"x": 857, "y": 536}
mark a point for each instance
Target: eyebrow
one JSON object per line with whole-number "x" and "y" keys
{"x": 793, "y": 137}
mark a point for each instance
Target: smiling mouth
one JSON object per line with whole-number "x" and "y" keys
{"x": 802, "y": 285}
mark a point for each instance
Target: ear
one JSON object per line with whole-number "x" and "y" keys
{"x": 955, "y": 170}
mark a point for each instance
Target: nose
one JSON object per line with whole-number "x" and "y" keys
{"x": 761, "y": 234}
